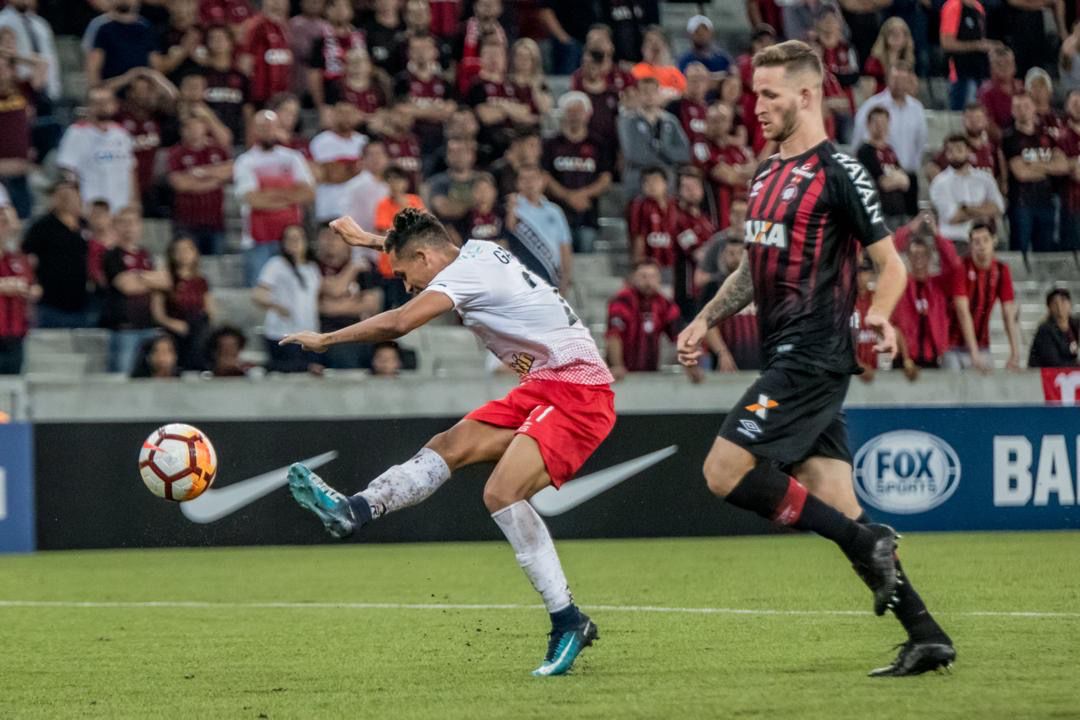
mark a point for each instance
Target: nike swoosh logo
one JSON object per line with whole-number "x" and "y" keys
{"x": 213, "y": 504}
{"x": 550, "y": 502}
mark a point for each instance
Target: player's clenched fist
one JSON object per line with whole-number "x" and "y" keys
{"x": 689, "y": 342}
{"x": 316, "y": 342}
{"x": 351, "y": 232}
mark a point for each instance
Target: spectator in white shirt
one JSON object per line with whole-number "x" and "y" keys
{"x": 907, "y": 124}
{"x": 34, "y": 37}
{"x": 100, "y": 154}
{"x": 288, "y": 289}
{"x": 273, "y": 184}
{"x": 363, "y": 193}
{"x": 336, "y": 152}
{"x": 963, "y": 195}
{"x": 539, "y": 226}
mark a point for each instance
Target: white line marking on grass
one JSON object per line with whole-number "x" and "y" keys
{"x": 197, "y": 604}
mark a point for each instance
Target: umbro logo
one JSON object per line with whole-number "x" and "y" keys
{"x": 750, "y": 429}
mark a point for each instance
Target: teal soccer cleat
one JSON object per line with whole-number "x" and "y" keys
{"x": 330, "y": 506}
{"x": 564, "y": 647}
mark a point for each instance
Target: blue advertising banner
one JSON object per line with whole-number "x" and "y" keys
{"x": 973, "y": 468}
{"x": 16, "y": 488}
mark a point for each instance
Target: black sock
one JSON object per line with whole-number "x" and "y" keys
{"x": 361, "y": 509}
{"x": 828, "y": 522}
{"x": 910, "y": 609}
{"x": 566, "y": 619}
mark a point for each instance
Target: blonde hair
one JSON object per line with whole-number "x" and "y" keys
{"x": 880, "y": 49}
{"x": 792, "y": 55}
{"x": 536, "y": 74}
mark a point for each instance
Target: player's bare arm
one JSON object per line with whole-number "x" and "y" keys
{"x": 389, "y": 325}
{"x": 351, "y": 232}
{"x": 735, "y": 294}
{"x": 892, "y": 279}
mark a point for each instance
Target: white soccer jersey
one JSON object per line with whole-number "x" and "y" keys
{"x": 519, "y": 317}
{"x": 103, "y": 160}
{"x": 330, "y": 147}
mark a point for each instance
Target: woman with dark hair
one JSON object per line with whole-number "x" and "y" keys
{"x": 1057, "y": 340}
{"x": 157, "y": 359}
{"x": 288, "y": 290}
{"x": 187, "y": 308}
{"x": 223, "y": 349}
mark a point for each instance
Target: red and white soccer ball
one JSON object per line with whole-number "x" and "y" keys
{"x": 178, "y": 462}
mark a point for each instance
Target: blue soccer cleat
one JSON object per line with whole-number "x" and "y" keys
{"x": 328, "y": 504}
{"x": 565, "y": 646}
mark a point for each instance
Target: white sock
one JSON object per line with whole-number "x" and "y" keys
{"x": 407, "y": 484}
{"x": 535, "y": 551}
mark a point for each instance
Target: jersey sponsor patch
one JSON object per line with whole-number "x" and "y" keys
{"x": 864, "y": 185}
{"x": 767, "y": 233}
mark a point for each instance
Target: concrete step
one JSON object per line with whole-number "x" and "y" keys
{"x": 57, "y": 364}
{"x": 223, "y": 271}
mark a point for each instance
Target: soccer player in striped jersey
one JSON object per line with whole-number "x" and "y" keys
{"x": 540, "y": 434}
{"x": 783, "y": 452}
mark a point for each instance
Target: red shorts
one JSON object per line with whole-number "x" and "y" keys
{"x": 568, "y": 421}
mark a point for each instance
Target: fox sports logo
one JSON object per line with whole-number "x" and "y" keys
{"x": 906, "y": 472}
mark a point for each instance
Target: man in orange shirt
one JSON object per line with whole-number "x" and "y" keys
{"x": 397, "y": 179}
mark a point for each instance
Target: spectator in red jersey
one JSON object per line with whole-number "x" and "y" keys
{"x": 304, "y": 29}
{"x": 526, "y": 75}
{"x": 651, "y": 219}
{"x": 449, "y": 194}
{"x": 985, "y": 154}
{"x": 230, "y": 13}
{"x": 499, "y": 105}
{"x": 1033, "y": 159}
{"x": 922, "y": 315}
{"x": 199, "y": 169}
{"x": 693, "y": 228}
{"x": 579, "y": 169}
{"x": 273, "y": 183}
{"x": 336, "y": 152}
{"x": 265, "y": 56}
{"x": 484, "y": 221}
{"x": 979, "y": 282}
{"x": 879, "y": 159}
{"x": 16, "y": 115}
{"x": 58, "y": 252}
{"x": 838, "y": 58}
{"x": 182, "y": 42}
{"x": 156, "y": 359}
{"x": 362, "y": 86}
{"x": 649, "y": 136}
{"x": 287, "y": 108}
{"x": 482, "y": 27}
{"x": 382, "y": 32}
{"x": 192, "y": 104}
{"x": 227, "y": 89}
{"x": 186, "y": 309}
{"x": 1069, "y": 144}
{"x": 996, "y": 94}
{"x": 143, "y": 113}
{"x": 762, "y": 36}
{"x": 963, "y": 37}
{"x": 1057, "y": 340}
{"x": 444, "y": 17}
{"x": 526, "y": 150}
{"x": 729, "y": 166}
{"x": 402, "y": 145}
{"x": 691, "y": 108}
{"x": 124, "y": 42}
{"x": 346, "y": 296}
{"x": 129, "y": 270}
{"x": 425, "y": 93}
{"x": 329, "y": 54}
{"x": 657, "y": 64}
{"x": 100, "y": 238}
{"x": 223, "y": 350}
{"x": 602, "y": 81}
{"x": 637, "y": 316}
{"x": 18, "y": 292}
{"x": 963, "y": 195}
{"x": 865, "y": 337}
{"x": 894, "y": 46}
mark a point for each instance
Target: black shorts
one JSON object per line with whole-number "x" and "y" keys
{"x": 789, "y": 415}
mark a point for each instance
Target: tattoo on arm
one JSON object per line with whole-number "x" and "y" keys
{"x": 735, "y": 294}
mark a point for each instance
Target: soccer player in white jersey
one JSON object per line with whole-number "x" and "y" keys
{"x": 540, "y": 434}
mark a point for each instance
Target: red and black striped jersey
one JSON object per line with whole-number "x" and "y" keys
{"x": 806, "y": 219}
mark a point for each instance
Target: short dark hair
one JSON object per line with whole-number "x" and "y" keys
{"x": 654, "y": 170}
{"x": 647, "y": 262}
{"x": 412, "y": 225}
{"x": 792, "y": 55}
{"x": 1054, "y": 292}
{"x": 973, "y": 106}
{"x": 395, "y": 172}
{"x": 981, "y": 226}
{"x": 957, "y": 138}
{"x": 877, "y": 110}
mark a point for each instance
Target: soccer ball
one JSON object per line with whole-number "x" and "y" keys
{"x": 177, "y": 462}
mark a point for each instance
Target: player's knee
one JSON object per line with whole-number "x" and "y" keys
{"x": 497, "y": 497}
{"x": 452, "y": 453}
{"x": 723, "y": 473}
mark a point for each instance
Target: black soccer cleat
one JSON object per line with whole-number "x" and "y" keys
{"x": 919, "y": 656}
{"x": 877, "y": 567}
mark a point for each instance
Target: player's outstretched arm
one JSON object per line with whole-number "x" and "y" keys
{"x": 892, "y": 279}
{"x": 735, "y": 294}
{"x": 351, "y": 232}
{"x": 389, "y": 325}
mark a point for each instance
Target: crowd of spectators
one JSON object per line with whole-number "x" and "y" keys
{"x": 306, "y": 110}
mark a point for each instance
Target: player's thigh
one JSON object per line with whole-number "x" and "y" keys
{"x": 520, "y": 474}
{"x": 725, "y": 465}
{"x": 829, "y": 479}
{"x": 470, "y": 442}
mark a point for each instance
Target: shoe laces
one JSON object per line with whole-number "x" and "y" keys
{"x": 555, "y": 642}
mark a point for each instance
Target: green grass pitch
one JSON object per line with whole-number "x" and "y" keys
{"x": 229, "y": 642}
